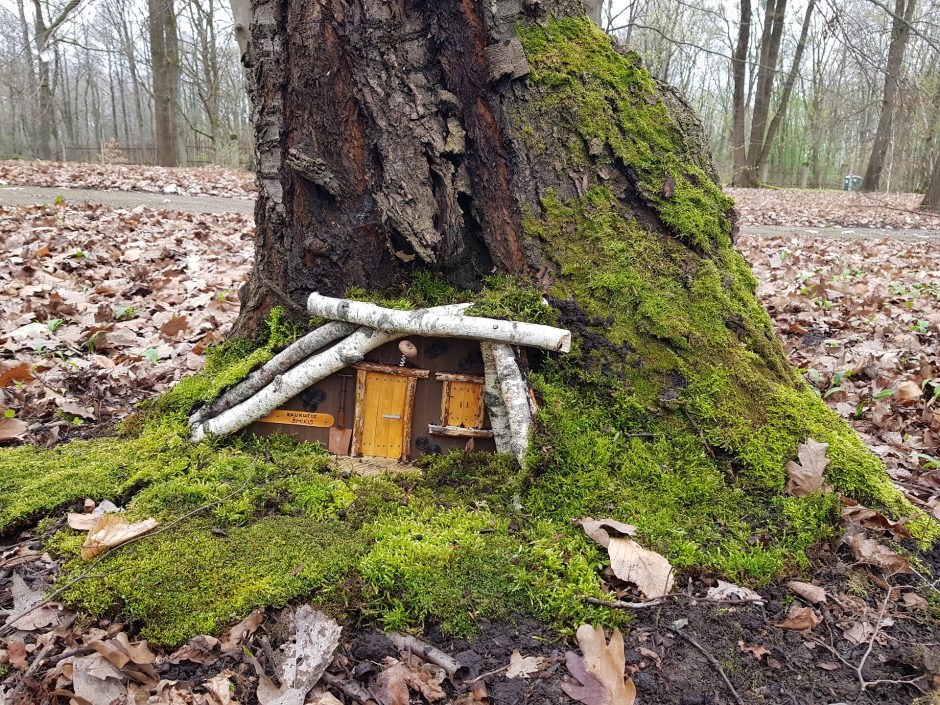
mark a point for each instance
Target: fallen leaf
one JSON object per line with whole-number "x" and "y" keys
{"x": 409, "y": 673}
{"x": 852, "y": 512}
{"x": 648, "y": 570}
{"x": 303, "y": 657}
{"x": 82, "y": 521}
{"x": 476, "y": 696}
{"x": 600, "y": 669}
{"x": 813, "y": 594}
{"x": 523, "y": 666}
{"x": 914, "y": 601}
{"x": 755, "y": 650}
{"x": 12, "y": 371}
{"x": 219, "y": 689}
{"x": 16, "y": 654}
{"x": 909, "y": 392}
{"x": 595, "y": 529}
{"x": 828, "y": 665}
{"x": 806, "y": 476}
{"x": 96, "y": 680}
{"x": 730, "y": 591}
{"x": 239, "y": 633}
{"x": 800, "y": 619}
{"x": 11, "y": 429}
{"x": 174, "y": 326}
{"x": 323, "y": 697}
{"x": 870, "y": 552}
{"x": 113, "y": 530}
{"x": 28, "y": 600}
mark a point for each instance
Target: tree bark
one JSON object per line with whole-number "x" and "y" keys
{"x": 931, "y": 200}
{"x": 462, "y": 138}
{"x": 900, "y": 31}
{"x": 165, "y": 67}
{"x": 739, "y": 96}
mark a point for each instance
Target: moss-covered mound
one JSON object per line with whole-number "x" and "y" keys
{"x": 676, "y": 411}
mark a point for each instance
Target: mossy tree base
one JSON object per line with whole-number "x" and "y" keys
{"x": 676, "y": 410}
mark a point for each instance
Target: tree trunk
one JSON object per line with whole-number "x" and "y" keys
{"x": 739, "y": 98}
{"x": 900, "y": 31}
{"x": 165, "y": 66}
{"x": 931, "y": 200}
{"x": 463, "y": 138}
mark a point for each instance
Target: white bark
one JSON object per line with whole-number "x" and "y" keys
{"x": 428, "y": 322}
{"x": 515, "y": 393}
{"x": 594, "y": 9}
{"x": 291, "y": 383}
{"x": 493, "y": 398}
{"x": 296, "y": 352}
{"x": 241, "y": 11}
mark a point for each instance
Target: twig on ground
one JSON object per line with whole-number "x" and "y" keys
{"x": 620, "y": 604}
{"x": 454, "y": 669}
{"x": 711, "y": 659}
{"x": 350, "y": 689}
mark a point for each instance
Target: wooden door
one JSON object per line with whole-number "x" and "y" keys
{"x": 386, "y": 415}
{"x": 464, "y": 405}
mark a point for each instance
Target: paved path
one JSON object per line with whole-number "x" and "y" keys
{"x": 29, "y": 195}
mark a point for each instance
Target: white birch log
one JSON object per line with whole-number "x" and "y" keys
{"x": 515, "y": 394}
{"x": 493, "y": 398}
{"x": 428, "y": 322}
{"x": 288, "y": 385}
{"x": 294, "y": 353}
{"x": 291, "y": 383}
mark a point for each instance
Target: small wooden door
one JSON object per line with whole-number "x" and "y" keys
{"x": 464, "y": 405}
{"x": 386, "y": 415}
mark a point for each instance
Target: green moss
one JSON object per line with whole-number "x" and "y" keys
{"x": 610, "y": 101}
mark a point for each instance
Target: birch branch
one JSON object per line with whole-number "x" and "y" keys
{"x": 296, "y": 352}
{"x": 289, "y": 384}
{"x": 516, "y": 397}
{"x": 428, "y": 322}
{"x": 493, "y": 398}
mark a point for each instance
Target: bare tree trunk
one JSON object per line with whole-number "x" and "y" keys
{"x": 164, "y": 59}
{"x": 739, "y": 98}
{"x": 900, "y": 31}
{"x": 760, "y": 159}
{"x": 931, "y": 200}
{"x": 766, "y": 73}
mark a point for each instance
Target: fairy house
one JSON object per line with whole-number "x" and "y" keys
{"x": 385, "y": 383}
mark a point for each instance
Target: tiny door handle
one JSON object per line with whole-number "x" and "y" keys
{"x": 391, "y": 416}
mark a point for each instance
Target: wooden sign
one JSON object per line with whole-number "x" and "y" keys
{"x": 298, "y": 418}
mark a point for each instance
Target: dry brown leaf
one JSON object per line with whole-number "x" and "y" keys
{"x": 113, "y": 530}
{"x": 29, "y": 602}
{"x": 11, "y": 429}
{"x": 855, "y": 513}
{"x": 800, "y": 619}
{"x": 600, "y": 669}
{"x": 755, "y": 650}
{"x": 476, "y": 696}
{"x": 12, "y": 371}
{"x": 174, "y": 326}
{"x": 523, "y": 666}
{"x": 96, "y": 680}
{"x": 391, "y": 686}
{"x": 914, "y": 601}
{"x": 870, "y": 552}
{"x": 83, "y": 521}
{"x": 909, "y": 392}
{"x": 813, "y": 594}
{"x": 596, "y": 529}
{"x": 806, "y": 476}
{"x": 16, "y": 654}
{"x": 238, "y": 634}
{"x": 729, "y": 591}
{"x": 323, "y": 697}
{"x": 648, "y": 570}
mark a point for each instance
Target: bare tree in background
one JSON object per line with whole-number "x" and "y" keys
{"x": 44, "y": 29}
{"x": 900, "y": 31}
{"x": 165, "y": 65}
{"x": 932, "y": 198}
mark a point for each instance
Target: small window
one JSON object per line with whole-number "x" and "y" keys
{"x": 462, "y": 408}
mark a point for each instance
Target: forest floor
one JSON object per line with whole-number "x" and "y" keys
{"x": 105, "y": 305}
